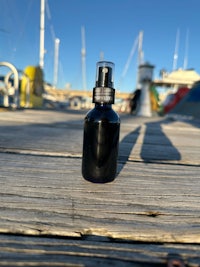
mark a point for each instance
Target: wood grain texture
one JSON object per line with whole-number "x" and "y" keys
{"x": 52, "y": 251}
{"x": 48, "y": 196}
{"x": 154, "y": 198}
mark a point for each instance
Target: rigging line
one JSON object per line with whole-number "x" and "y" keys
{"x": 130, "y": 58}
{"x": 7, "y": 14}
{"x": 60, "y": 67}
{"x": 18, "y": 21}
{"x": 3, "y": 30}
{"x": 26, "y": 17}
{"x": 53, "y": 35}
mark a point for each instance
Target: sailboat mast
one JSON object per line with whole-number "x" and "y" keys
{"x": 42, "y": 28}
{"x": 83, "y": 55}
{"x": 140, "y": 58}
{"x": 185, "y": 63}
{"x": 176, "y": 50}
{"x": 140, "y": 51}
{"x": 56, "y": 61}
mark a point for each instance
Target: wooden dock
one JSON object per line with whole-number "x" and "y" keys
{"x": 50, "y": 216}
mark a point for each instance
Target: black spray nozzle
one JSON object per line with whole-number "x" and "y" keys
{"x": 104, "y": 91}
{"x": 104, "y": 75}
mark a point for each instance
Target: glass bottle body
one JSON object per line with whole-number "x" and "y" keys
{"x": 100, "y": 144}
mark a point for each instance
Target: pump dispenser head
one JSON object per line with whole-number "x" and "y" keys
{"x": 104, "y": 92}
{"x": 104, "y": 75}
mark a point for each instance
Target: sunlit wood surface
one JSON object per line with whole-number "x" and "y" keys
{"x": 155, "y": 198}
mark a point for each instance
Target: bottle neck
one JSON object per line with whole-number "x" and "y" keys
{"x": 103, "y": 105}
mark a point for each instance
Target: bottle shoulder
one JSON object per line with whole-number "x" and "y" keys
{"x": 103, "y": 113}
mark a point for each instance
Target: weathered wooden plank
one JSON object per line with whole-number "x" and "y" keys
{"x": 146, "y": 202}
{"x": 62, "y": 134}
{"x": 42, "y": 191}
{"x": 91, "y": 251}
{"x": 159, "y": 143}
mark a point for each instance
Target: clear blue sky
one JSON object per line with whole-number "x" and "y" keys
{"x": 111, "y": 26}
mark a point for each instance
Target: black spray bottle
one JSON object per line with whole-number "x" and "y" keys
{"x": 101, "y": 130}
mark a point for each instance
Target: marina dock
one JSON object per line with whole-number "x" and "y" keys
{"x": 50, "y": 216}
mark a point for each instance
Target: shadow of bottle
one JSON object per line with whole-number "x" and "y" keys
{"x": 125, "y": 147}
{"x": 156, "y": 145}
